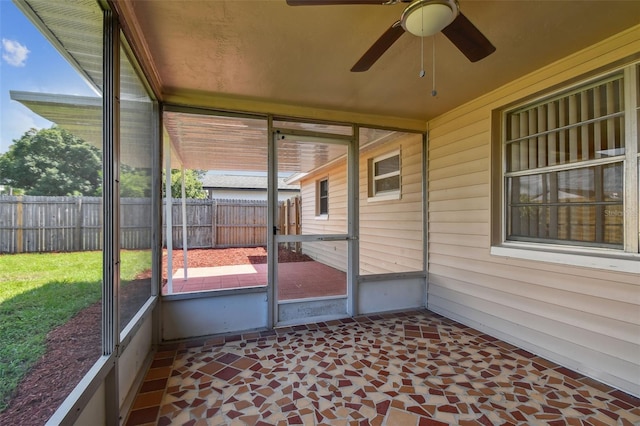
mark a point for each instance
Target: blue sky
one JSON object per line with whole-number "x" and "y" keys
{"x": 28, "y": 62}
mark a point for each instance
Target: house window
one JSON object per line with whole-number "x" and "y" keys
{"x": 567, "y": 159}
{"x": 323, "y": 197}
{"x": 384, "y": 176}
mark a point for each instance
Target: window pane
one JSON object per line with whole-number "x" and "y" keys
{"x": 578, "y": 223}
{"x": 593, "y": 184}
{"x": 136, "y": 141}
{"x": 388, "y": 165}
{"x": 51, "y": 274}
{"x": 387, "y": 184}
{"x": 391, "y": 226}
{"x": 323, "y": 196}
{"x": 312, "y": 269}
{"x": 315, "y": 161}
{"x": 227, "y": 232}
{"x": 324, "y": 188}
{"x": 583, "y": 205}
{"x": 579, "y": 126}
{"x": 324, "y": 205}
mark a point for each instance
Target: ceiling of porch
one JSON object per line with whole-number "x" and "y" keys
{"x": 268, "y": 56}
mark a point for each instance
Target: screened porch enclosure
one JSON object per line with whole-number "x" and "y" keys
{"x": 309, "y": 267}
{"x": 321, "y": 170}
{"x": 462, "y": 217}
{"x": 238, "y": 144}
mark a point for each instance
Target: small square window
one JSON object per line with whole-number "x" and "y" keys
{"x": 384, "y": 176}
{"x": 322, "y": 208}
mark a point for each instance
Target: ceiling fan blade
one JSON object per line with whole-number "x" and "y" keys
{"x": 379, "y": 47}
{"x": 468, "y": 39}
{"x": 331, "y": 2}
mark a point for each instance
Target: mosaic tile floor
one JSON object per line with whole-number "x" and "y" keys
{"x": 408, "y": 369}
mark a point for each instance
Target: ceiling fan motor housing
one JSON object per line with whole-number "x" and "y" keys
{"x": 424, "y": 18}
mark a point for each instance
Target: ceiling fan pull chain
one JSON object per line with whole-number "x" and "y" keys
{"x": 422, "y": 73}
{"x": 433, "y": 76}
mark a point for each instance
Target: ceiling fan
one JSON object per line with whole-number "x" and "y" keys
{"x": 421, "y": 18}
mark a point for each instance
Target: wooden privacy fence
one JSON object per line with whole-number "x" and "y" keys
{"x": 223, "y": 223}
{"x": 33, "y": 224}
{"x": 47, "y": 224}
{"x": 289, "y": 220}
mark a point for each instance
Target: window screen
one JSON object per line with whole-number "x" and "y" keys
{"x": 565, "y": 167}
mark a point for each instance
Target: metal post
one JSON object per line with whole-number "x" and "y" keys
{"x": 272, "y": 247}
{"x": 111, "y": 208}
{"x": 184, "y": 226}
{"x": 425, "y": 217}
{"x": 168, "y": 216}
{"x": 353, "y": 225}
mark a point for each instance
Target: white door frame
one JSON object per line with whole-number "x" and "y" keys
{"x": 273, "y": 239}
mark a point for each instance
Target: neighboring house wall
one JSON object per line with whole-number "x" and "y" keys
{"x": 332, "y": 253}
{"x": 585, "y": 318}
{"x": 248, "y": 194}
{"x": 390, "y": 230}
{"x": 245, "y": 187}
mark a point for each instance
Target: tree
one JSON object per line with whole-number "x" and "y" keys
{"x": 135, "y": 183}
{"x": 52, "y": 162}
{"x": 192, "y": 184}
{"x": 55, "y": 162}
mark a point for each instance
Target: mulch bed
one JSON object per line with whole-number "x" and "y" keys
{"x": 75, "y": 346}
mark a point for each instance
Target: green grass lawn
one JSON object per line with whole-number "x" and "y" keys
{"x": 39, "y": 292}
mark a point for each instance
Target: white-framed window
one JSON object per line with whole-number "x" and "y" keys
{"x": 322, "y": 202}
{"x": 384, "y": 176}
{"x": 570, "y": 168}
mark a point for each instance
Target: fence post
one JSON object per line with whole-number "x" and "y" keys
{"x": 19, "y": 225}
{"x": 287, "y": 216}
{"x": 214, "y": 225}
{"x": 282, "y": 208}
{"x": 77, "y": 240}
{"x": 297, "y": 202}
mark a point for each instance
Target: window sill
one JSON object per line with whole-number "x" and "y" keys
{"x": 385, "y": 197}
{"x": 322, "y": 217}
{"x": 611, "y": 260}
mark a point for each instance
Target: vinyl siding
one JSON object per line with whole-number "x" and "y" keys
{"x": 390, "y": 231}
{"x": 332, "y": 253}
{"x": 587, "y": 319}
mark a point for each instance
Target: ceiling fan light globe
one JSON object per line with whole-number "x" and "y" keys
{"x": 425, "y": 18}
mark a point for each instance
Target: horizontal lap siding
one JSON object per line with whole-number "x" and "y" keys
{"x": 391, "y": 231}
{"x": 558, "y": 346}
{"x": 580, "y": 328}
{"x": 589, "y": 319}
{"x": 332, "y": 253}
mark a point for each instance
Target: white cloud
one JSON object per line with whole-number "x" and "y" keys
{"x": 14, "y": 53}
